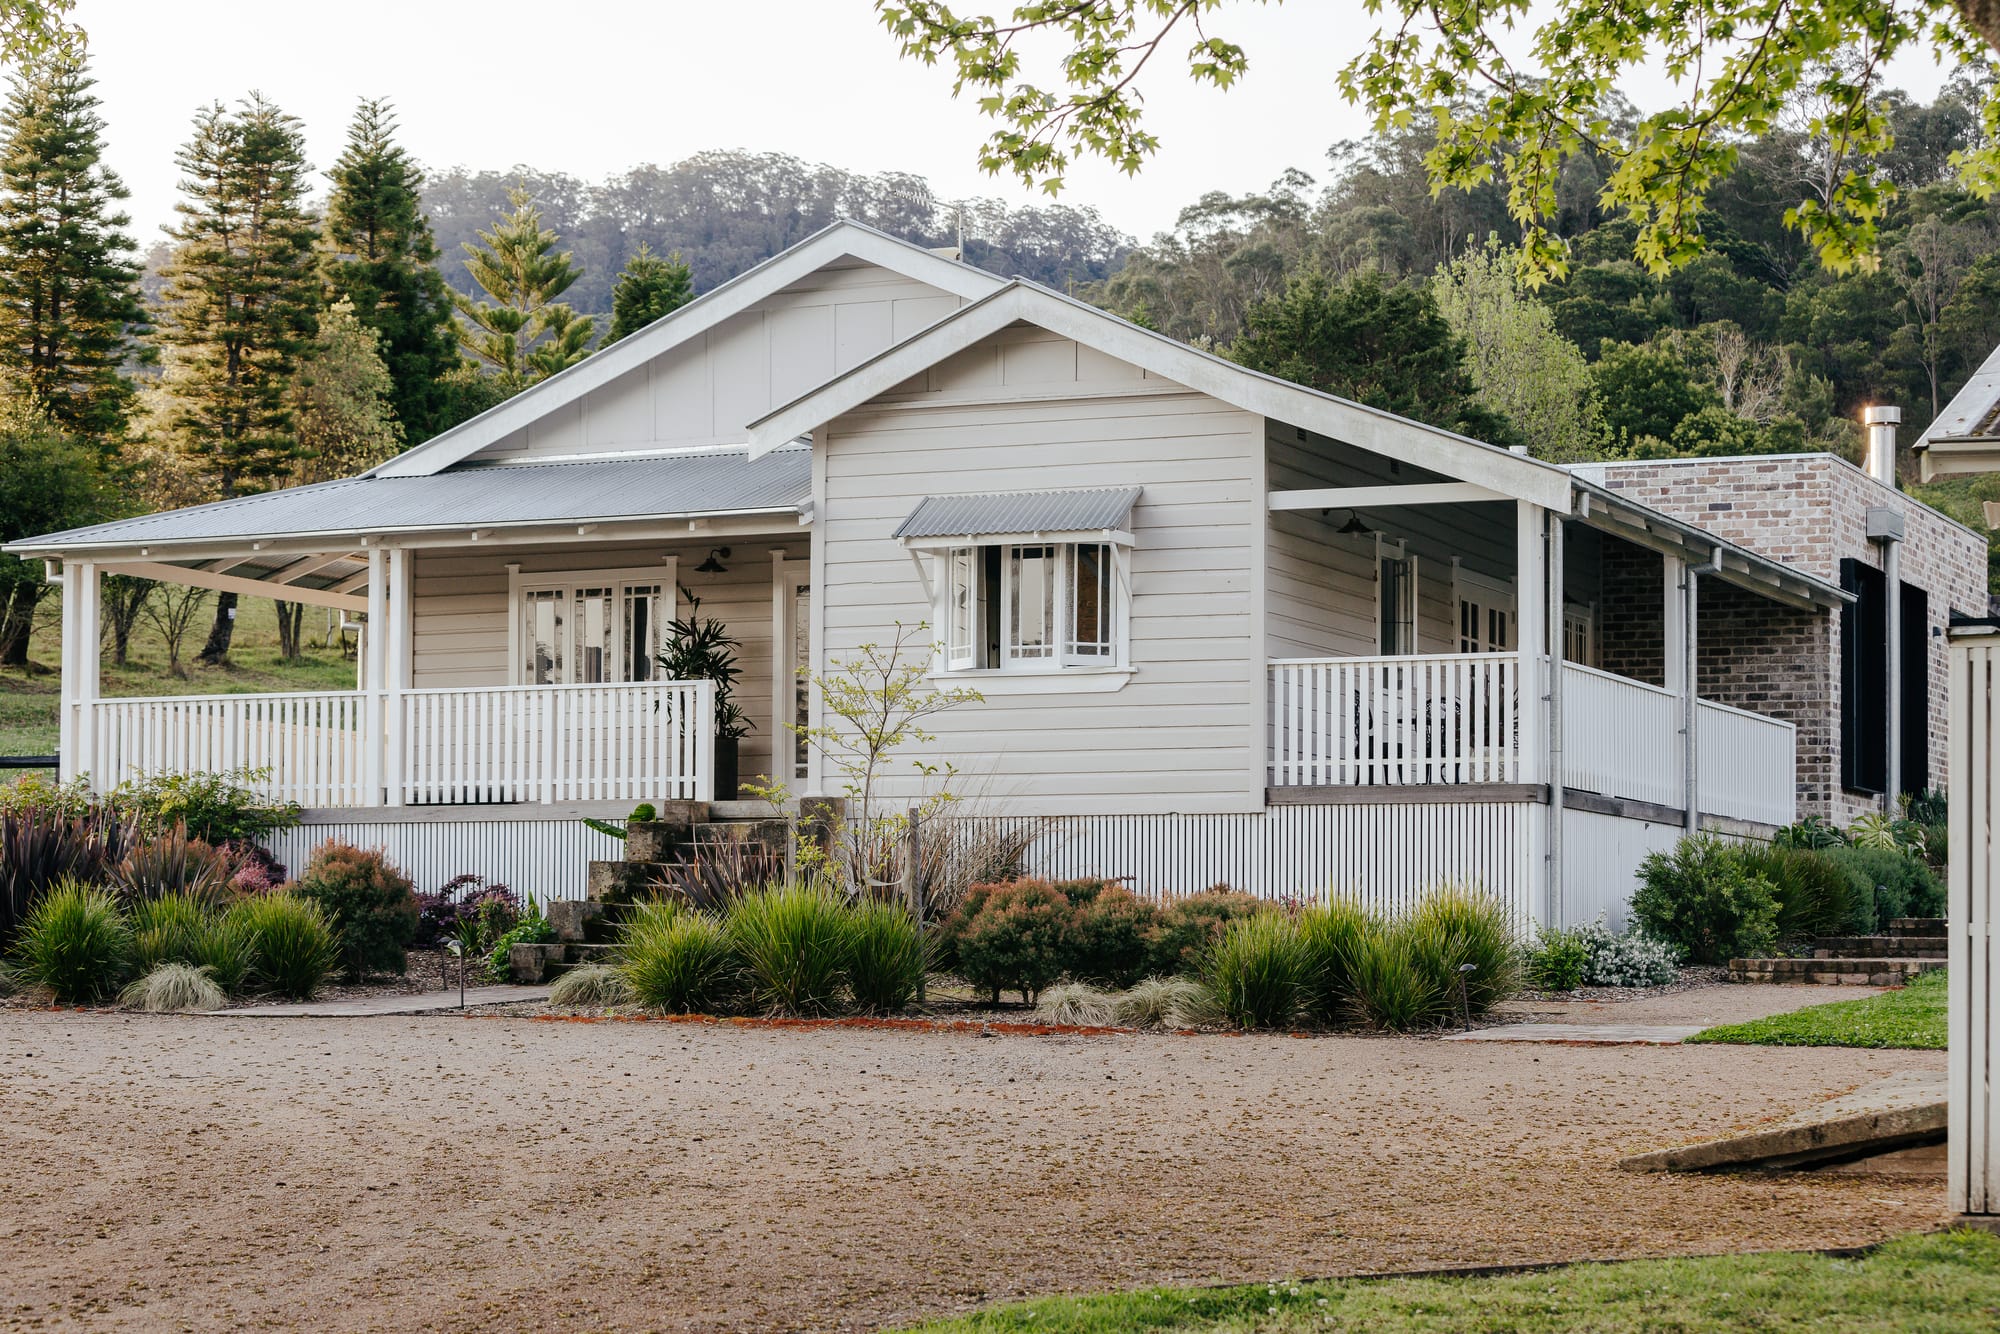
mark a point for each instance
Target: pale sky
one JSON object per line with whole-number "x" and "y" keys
{"x": 493, "y": 84}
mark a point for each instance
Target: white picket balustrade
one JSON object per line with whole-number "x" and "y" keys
{"x": 637, "y": 742}
{"x": 1447, "y": 718}
{"x": 1621, "y": 738}
{"x": 1748, "y": 764}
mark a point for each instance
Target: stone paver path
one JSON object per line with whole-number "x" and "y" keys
{"x": 357, "y": 1007}
{"x": 1595, "y": 1035}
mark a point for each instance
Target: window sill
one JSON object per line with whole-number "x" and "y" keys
{"x": 1070, "y": 681}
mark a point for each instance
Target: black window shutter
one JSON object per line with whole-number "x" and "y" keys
{"x": 1915, "y": 761}
{"x": 1864, "y": 675}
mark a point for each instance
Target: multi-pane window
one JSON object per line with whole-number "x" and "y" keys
{"x": 1485, "y": 613}
{"x": 1397, "y": 605}
{"x": 589, "y": 629}
{"x": 1030, "y": 606}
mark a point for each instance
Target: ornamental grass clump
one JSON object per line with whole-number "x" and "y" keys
{"x": 293, "y": 946}
{"x": 168, "y": 929}
{"x": 172, "y": 988}
{"x": 1330, "y": 936}
{"x": 678, "y": 961}
{"x": 1463, "y": 940}
{"x": 886, "y": 958}
{"x": 1078, "y": 1005}
{"x": 1259, "y": 972}
{"x": 594, "y": 986}
{"x": 227, "y": 950}
{"x": 172, "y": 863}
{"x": 1166, "y": 1002}
{"x": 1393, "y": 989}
{"x": 793, "y": 943}
{"x": 74, "y": 944}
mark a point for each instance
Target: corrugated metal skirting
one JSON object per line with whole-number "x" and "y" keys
{"x": 545, "y": 858}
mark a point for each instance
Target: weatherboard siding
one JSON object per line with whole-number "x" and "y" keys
{"x": 1178, "y": 736}
{"x": 707, "y": 390}
{"x": 462, "y": 628}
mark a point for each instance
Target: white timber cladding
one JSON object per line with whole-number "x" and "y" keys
{"x": 1321, "y": 594}
{"x": 464, "y": 629}
{"x": 1030, "y": 411}
{"x": 706, "y": 390}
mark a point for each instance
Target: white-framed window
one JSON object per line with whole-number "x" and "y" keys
{"x": 1580, "y": 634}
{"x": 588, "y": 626}
{"x": 1485, "y": 612}
{"x": 1032, "y": 606}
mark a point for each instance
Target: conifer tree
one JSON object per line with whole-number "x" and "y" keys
{"x": 523, "y": 334}
{"x": 648, "y": 288}
{"x": 69, "y": 297}
{"x": 378, "y": 254}
{"x": 241, "y": 302}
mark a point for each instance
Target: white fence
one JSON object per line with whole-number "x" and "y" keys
{"x": 1972, "y": 1175}
{"x": 1748, "y": 764}
{"x": 1414, "y": 719}
{"x": 1621, "y": 738}
{"x": 636, "y": 742}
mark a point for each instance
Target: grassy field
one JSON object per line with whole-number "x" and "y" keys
{"x": 1921, "y": 1283}
{"x": 28, "y": 698}
{"x": 1911, "y": 1017}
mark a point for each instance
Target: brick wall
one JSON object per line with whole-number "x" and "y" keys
{"x": 1773, "y": 659}
{"x": 1810, "y": 511}
{"x": 1630, "y": 637}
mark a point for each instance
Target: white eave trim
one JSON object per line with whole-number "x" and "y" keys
{"x": 1458, "y": 457}
{"x": 839, "y": 240}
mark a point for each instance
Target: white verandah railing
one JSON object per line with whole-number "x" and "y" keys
{"x": 1412, "y": 719}
{"x": 637, "y": 742}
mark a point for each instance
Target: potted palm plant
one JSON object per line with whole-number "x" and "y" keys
{"x": 699, "y": 648}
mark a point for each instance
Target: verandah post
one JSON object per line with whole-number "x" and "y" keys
{"x": 1531, "y": 737}
{"x": 397, "y": 654}
{"x": 373, "y": 659}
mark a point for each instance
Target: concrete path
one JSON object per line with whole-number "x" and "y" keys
{"x": 356, "y": 1007}
{"x": 1882, "y": 1119}
{"x": 1591, "y": 1035}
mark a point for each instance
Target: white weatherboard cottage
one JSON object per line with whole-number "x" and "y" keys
{"x": 1225, "y": 628}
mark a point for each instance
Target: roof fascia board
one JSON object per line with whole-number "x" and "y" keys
{"x": 1635, "y": 523}
{"x": 841, "y": 239}
{"x": 1378, "y": 432}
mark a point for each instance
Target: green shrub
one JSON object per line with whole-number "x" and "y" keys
{"x": 1110, "y": 936}
{"x": 1633, "y": 959}
{"x": 1329, "y": 936}
{"x": 1815, "y": 896}
{"x": 1557, "y": 960}
{"x": 794, "y": 946}
{"x": 1454, "y": 926}
{"x": 1814, "y": 831}
{"x": 168, "y": 929}
{"x": 643, "y": 813}
{"x": 678, "y": 961}
{"x": 74, "y": 943}
{"x": 1258, "y": 971}
{"x": 592, "y": 987}
{"x": 294, "y": 947}
{"x": 1166, "y": 1002}
{"x": 1703, "y": 899}
{"x": 1017, "y": 938}
{"x": 1077, "y": 1004}
{"x": 212, "y": 807}
{"x": 1887, "y": 883}
{"x": 886, "y": 957}
{"x": 531, "y": 927}
{"x": 173, "y": 987}
{"x": 1189, "y": 927}
{"x": 371, "y": 905}
{"x": 1393, "y": 989}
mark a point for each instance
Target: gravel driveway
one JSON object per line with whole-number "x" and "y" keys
{"x": 458, "y": 1172}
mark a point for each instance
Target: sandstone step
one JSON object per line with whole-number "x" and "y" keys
{"x": 620, "y": 882}
{"x": 574, "y": 920}
{"x": 530, "y": 965}
{"x": 1879, "y": 947}
{"x": 772, "y": 834}
{"x": 1916, "y": 926}
{"x": 1877, "y": 972}
{"x": 664, "y": 839}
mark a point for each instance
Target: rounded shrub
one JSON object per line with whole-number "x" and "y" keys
{"x": 1017, "y": 939}
{"x": 1189, "y": 927}
{"x": 174, "y": 988}
{"x": 293, "y": 947}
{"x": 1887, "y": 883}
{"x": 371, "y": 906}
{"x": 1557, "y": 961}
{"x": 74, "y": 943}
{"x": 1329, "y": 936}
{"x": 1258, "y": 971}
{"x": 793, "y": 944}
{"x": 1704, "y": 900}
{"x": 592, "y": 987}
{"x": 1110, "y": 936}
{"x": 678, "y": 961}
{"x": 885, "y": 957}
{"x": 1462, "y": 938}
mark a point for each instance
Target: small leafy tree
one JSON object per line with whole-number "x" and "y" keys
{"x": 125, "y": 597}
{"x": 171, "y": 611}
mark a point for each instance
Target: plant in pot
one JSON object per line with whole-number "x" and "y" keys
{"x": 699, "y": 648}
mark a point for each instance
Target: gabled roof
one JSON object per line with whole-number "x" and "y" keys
{"x": 1974, "y": 411}
{"x": 1021, "y": 301}
{"x": 836, "y": 241}
{"x": 709, "y": 482}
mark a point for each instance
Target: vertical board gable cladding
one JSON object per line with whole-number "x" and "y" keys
{"x": 1179, "y": 735}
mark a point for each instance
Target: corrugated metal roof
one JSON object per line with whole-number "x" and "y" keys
{"x": 1020, "y": 512}
{"x": 708, "y": 482}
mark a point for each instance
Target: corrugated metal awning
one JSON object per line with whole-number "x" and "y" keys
{"x": 1020, "y": 514}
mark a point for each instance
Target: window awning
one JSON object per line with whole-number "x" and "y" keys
{"x": 1024, "y": 514}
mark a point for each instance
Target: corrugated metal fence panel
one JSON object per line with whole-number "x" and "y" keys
{"x": 545, "y": 858}
{"x": 1601, "y": 856}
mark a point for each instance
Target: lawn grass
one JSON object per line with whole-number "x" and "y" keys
{"x": 1941, "y": 1282}
{"x": 28, "y": 699}
{"x": 1913, "y": 1016}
